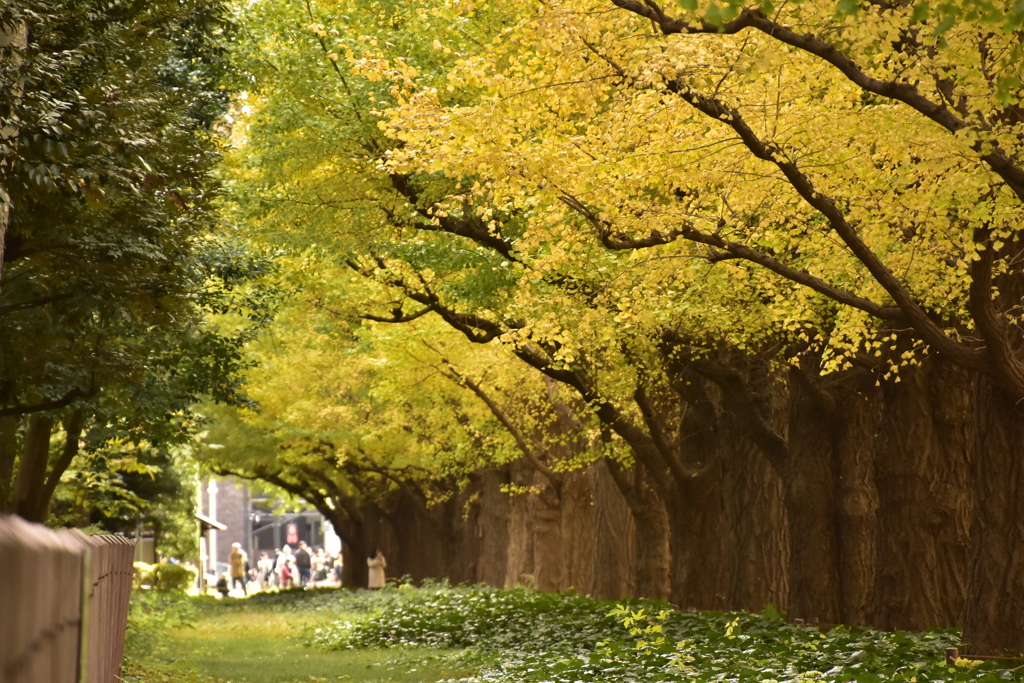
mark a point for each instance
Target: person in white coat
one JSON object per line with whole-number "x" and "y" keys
{"x": 376, "y": 563}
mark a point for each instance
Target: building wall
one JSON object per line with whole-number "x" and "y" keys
{"x": 231, "y": 511}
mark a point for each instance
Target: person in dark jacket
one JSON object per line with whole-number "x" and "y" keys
{"x": 303, "y": 563}
{"x": 222, "y": 585}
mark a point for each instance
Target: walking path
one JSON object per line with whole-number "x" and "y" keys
{"x": 242, "y": 641}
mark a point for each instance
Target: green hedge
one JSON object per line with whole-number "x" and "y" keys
{"x": 164, "y": 577}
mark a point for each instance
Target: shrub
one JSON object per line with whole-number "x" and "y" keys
{"x": 164, "y": 576}
{"x": 150, "y": 614}
{"x": 171, "y": 577}
{"x": 143, "y": 575}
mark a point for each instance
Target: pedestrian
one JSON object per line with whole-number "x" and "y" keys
{"x": 339, "y": 568}
{"x": 239, "y": 566}
{"x": 304, "y": 563}
{"x": 320, "y": 566}
{"x": 222, "y": 585}
{"x": 275, "y": 570}
{"x": 376, "y": 563}
{"x": 265, "y": 566}
{"x": 282, "y": 568}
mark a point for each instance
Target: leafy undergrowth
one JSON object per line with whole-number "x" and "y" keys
{"x": 522, "y": 636}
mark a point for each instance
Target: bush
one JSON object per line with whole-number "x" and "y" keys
{"x": 150, "y": 614}
{"x": 164, "y": 577}
{"x": 171, "y": 577}
{"x": 472, "y": 617}
{"x": 143, "y": 575}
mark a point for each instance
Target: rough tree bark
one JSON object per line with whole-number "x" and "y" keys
{"x": 520, "y": 562}
{"x": 354, "y": 551}
{"x": 651, "y": 538}
{"x": 578, "y": 520}
{"x": 491, "y": 523}
{"x": 35, "y": 456}
{"x": 815, "y": 588}
{"x": 425, "y": 537}
{"x": 544, "y": 510}
{"x": 8, "y": 455}
{"x": 756, "y": 530}
{"x": 698, "y": 541}
{"x": 994, "y": 617}
{"x": 858, "y": 498}
{"x": 922, "y": 474}
{"x": 614, "y": 560}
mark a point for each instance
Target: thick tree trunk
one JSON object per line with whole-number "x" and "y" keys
{"x": 922, "y": 473}
{"x": 491, "y": 528}
{"x": 379, "y": 532}
{"x": 994, "y": 616}
{"x": 354, "y": 572}
{"x": 578, "y": 508}
{"x": 614, "y": 561}
{"x": 425, "y": 537}
{"x": 698, "y": 541}
{"x": 520, "y": 565}
{"x": 354, "y": 550}
{"x": 545, "y": 527}
{"x": 73, "y": 423}
{"x": 464, "y": 552}
{"x": 858, "y": 502}
{"x": 35, "y": 456}
{"x": 8, "y": 454}
{"x": 811, "y": 500}
{"x": 652, "y": 545}
{"x": 756, "y": 533}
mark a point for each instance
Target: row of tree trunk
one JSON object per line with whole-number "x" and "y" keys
{"x": 896, "y": 506}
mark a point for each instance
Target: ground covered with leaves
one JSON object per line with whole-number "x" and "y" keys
{"x": 479, "y": 634}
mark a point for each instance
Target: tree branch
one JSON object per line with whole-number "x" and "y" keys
{"x": 991, "y": 323}
{"x": 481, "y": 330}
{"x": 397, "y": 316}
{"x": 35, "y": 303}
{"x": 73, "y": 424}
{"x": 531, "y": 456}
{"x": 62, "y": 402}
{"x": 733, "y": 250}
{"x": 995, "y": 157}
{"x": 930, "y": 332}
{"x": 467, "y": 226}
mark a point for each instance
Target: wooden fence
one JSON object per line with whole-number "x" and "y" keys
{"x": 63, "y": 604}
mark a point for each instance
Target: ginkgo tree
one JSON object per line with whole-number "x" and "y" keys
{"x": 763, "y": 246}
{"x": 856, "y": 176}
{"x": 365, "y": 422}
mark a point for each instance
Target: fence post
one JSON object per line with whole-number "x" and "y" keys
{"x": 63, "y": 604}
{"x": 73, "y": 577}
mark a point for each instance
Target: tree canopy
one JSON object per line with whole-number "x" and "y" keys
{"x": 112, "y": 255}
{"x": 615, "y": 230}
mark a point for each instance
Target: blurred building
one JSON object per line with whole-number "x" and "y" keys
{"x": 252, "y": 522}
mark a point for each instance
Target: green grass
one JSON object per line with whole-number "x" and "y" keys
{"x": 264, "y": 640}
